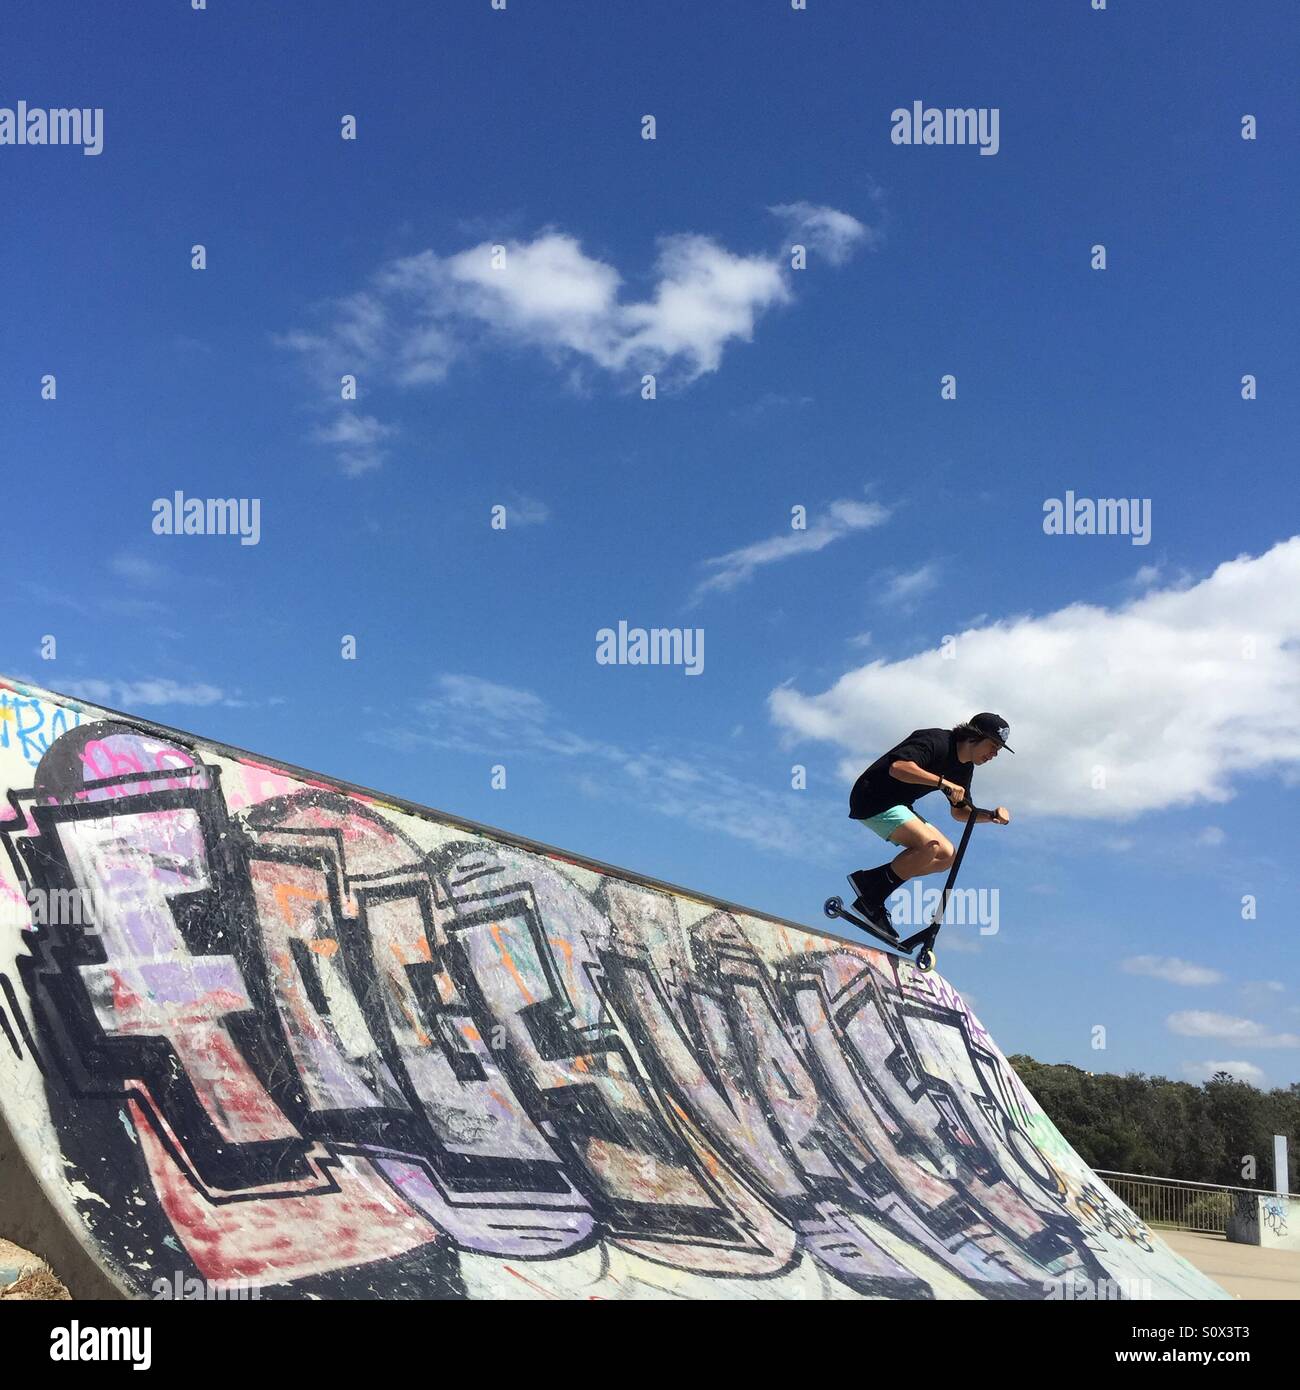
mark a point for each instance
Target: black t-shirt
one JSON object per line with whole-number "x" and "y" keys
{"x": 933, "y": 749}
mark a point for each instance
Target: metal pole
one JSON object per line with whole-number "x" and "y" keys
{"x": 956, "y": 864}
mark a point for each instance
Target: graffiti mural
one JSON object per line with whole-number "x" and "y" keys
{"x": 274, "y": 1030}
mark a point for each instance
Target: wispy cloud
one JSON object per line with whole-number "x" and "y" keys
{"x": 910, "y": 585}
{"x": 469, "y": 714}
{"x": 1090, "y": 693}
{"x": 1262, "y": 992}
{"x": 96, "y": 604}
{"x": 488, "y": 701}
{"x": 1196, "y": 1023}
{"x": 137, "y": 570}
{"x": 1239, "y": 1071}
{"x": 358, "y": 441}
{"x": 840, "y": 519}
{"x": 1171, "y": 969}
{"x": 140, "y": 694}
{"x": 826, "y": 231}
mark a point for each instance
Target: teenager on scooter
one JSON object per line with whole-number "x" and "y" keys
{"x": 882, "y": 799}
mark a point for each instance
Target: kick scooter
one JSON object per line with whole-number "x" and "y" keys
{"x": 926, "y": 937}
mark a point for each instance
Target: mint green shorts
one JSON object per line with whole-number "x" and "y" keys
{"x": 888, "y": 821}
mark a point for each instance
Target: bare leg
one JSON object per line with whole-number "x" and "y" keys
{"x": 925, "y": 850}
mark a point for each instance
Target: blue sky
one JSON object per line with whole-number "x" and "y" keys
{"x": 1120, "y": 904}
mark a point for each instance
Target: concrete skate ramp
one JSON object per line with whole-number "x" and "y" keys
{"x": 265, "y": 1033}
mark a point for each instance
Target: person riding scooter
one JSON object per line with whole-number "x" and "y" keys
{"x": 884, "y": 795}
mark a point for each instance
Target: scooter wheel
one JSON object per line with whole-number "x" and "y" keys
{"x": 832, "y": 907}
{"x": 925, "y": 962}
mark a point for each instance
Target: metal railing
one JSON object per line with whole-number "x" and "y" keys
{"x": 1187, "y": 1206}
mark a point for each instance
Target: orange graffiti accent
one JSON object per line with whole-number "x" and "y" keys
{"x": 284, "y": 891}
{"x": 419, "y": 947}
{"x": 510, "y": 965}
{"x": 326, "y": 946}
{"x": 567, "y": 951}
{"x": 706, "y": 1155}
{"x": 470, "y": 1033}
{"x": 425, "y": 1039}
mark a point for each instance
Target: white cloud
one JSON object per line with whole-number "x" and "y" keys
{"x": 1264, "y": 989}
{"x": 359, "y": 441}
{"x": 504, "y": 702}
{"x": 824, "y": 230}
{"x": 133, "y": 695}
{"x": 1240, "y": 1071}
{"x": 913, "y": 584}
{"x": 421, "y": 312}
{"x": 1171, "y": 969}
{"x": 1174, "y": 695}
{"x": 1211, "y": 837}
{"x": 1197, "y": 1023}
{"x": 841, "y": 519}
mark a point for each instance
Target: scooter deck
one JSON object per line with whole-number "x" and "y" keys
{"x": 835, "y": 908}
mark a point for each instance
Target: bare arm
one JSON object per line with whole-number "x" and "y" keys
{"x": 907, "y": 771}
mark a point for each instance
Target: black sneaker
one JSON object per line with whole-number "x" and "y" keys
{"x": 866, "y": 883}
{"x": 878, "y": 915}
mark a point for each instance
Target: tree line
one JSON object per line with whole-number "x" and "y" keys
{"x": 1220, "y": 1131}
